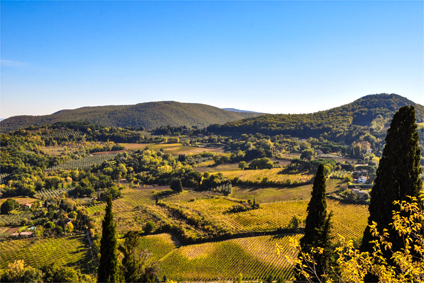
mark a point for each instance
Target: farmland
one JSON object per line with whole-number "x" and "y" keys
{"x": 83, "y": 163}
{"x": 273, "y": 174}
{"x": 254, "y": 257}
{"x": 68, "y": 250}
{"x": 53, "y": 192}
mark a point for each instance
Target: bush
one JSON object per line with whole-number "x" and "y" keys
{"x": 149, "y": 227}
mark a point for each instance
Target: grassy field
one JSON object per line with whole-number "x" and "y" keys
{"x": 69, "y": 251}
{"x": 254, "y": 257}
{"x": 21, "y": 200}
{"x": 272, "y": 175}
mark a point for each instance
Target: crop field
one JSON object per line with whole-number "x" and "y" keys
{"x": 272, "y": 175}
{"x": 21, "y": 200}
{"x": 63, "y": 251}
{"x": 273, "y": 194}
{"x": 137, "y": 206}
{"x": 254, "y": 257}
{"x": 15, "y": 219}
{"x": 46, "y": 194}
{"x": 83, "y": 163}
{"x": 158, "y": 245}
{"x": 349, "y": 220}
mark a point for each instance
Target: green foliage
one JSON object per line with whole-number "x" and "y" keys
{"x": 8, "y": 206}
{"x": 149, "y": 227}
{"x": 147, "y": 115}
{"x": 176, "y": 185}
{"x": 261, "y": 163}
{"x": 318, "y": 223}
{"x": 397, "y": 175}
{"x": 108, "y": 269}
{"x": 344, "y": 123}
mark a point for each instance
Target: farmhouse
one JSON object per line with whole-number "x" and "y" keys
{"x": 23, "y": 234}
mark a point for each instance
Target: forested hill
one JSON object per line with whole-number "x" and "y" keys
{"x": 148, "y": 115}
{"x": 370, "y": 114}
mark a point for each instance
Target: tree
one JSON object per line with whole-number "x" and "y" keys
{"x": 318, "y": 224}
{"x": 149, "y": 227}
{"x": 176, "y": 185}
{"x": 242, "y": 165}
{"x": 7, "y": 206}
{"x": 108, "y": 269}
{"x": 134, "y": 263}
{"x": 397, "y": 177}
{"x": 69, "y": 228}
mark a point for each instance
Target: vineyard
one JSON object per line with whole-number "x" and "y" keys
{"x": 339, "y": 174}
{"x": 274, "y": 194}
{"x": 47, "y": 194}
{"x": 15, "y": 219}
{"x": 158, "y": 245}
{"x": 63, "y": 251}
{"x": 83, "y": 163}
{"x": 254, "y": 257}
{"x": 62, "y": 134}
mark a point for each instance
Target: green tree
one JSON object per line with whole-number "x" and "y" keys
{"x": 242, "y": 165}
{"x": 149, "y": 227}
{"x": 176, "y": 185}
{"x": 318, "y": 224}
{"x": 397, "y": 177}
{"x": 7, "y": 206}
{"x": 131, "y": 261}
{"x": 108, "y": 269}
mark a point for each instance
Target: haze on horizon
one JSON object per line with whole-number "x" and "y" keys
{"x": 273, "y": 57}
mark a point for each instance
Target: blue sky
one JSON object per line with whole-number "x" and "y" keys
{"x": 274, "y": 57}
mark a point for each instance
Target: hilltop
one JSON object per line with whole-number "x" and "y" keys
{"x": 370, "y": 114}
{"x": 148, "y": 115}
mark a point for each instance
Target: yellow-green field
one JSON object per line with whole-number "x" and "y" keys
{"x": 272, "y": 194}
{"x": 21, "y": 200}
{"x": 254, "y": 257}
{"x": 272, "y": 175}
{"x": 70, "y": 251}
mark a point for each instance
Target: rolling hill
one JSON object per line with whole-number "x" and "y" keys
{"x": 148, "y": 115}
{"x": 370, "y": 114}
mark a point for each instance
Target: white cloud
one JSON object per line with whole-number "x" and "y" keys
{"x": 12, "y": 63}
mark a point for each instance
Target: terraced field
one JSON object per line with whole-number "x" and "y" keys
{"x": 254, "y": 257}
{"x": 63, "y": 251}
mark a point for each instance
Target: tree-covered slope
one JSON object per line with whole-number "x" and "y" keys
{"x": 369, "y": 114}
{"x": 148, "y": 115}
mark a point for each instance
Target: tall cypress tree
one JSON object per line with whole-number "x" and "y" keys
{"x": 397, "y": 176}
{"x": 109, "y": 269}
{"x": 318, "y": 224}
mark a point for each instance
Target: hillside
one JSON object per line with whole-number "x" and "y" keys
{"x": 148, "y": 115}
{"x": 369, "y": 114}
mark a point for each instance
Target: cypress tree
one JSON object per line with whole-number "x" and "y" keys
{"x": 318, "y": 224}
{"x": 109, "y": 269}
{"x": 397, "y": 176}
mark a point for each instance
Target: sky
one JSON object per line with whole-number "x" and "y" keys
{"x": 265, "y": 56}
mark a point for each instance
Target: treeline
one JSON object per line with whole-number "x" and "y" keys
{"x": 342, "y": 124}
